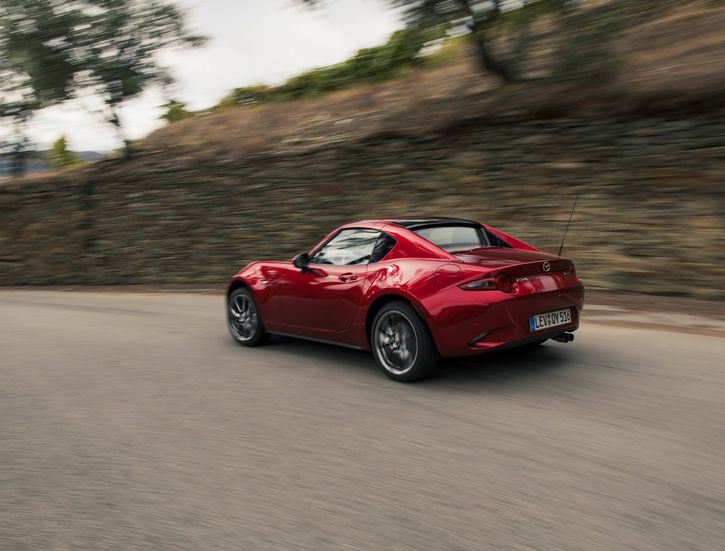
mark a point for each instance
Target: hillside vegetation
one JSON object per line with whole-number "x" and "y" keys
{"x": 671, "y": 62}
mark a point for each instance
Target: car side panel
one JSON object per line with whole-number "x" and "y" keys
{"x": 323, "y": 298}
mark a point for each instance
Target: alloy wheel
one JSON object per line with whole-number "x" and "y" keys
{"x": 396, "y": 342}
{"x": 243, "y": 318}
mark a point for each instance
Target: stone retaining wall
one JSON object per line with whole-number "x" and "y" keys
{"x": 651, "y": 215}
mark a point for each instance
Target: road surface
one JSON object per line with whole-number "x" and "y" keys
{"x": 132, "y": 421}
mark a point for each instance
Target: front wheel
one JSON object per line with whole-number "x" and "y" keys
{"x": 402, "y": 344}
{"x": 243, "y": 319}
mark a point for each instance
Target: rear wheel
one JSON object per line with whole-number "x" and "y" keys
{"x": 243, "y": 319}
{"x": 402, "y": 344}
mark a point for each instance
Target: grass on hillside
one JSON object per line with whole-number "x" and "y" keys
{"x": 670, "y": 61}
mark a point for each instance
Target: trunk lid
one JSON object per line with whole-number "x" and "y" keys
{"x": 515, "y": 262}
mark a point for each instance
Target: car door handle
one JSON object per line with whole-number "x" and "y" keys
{"x": 347, "y": 277}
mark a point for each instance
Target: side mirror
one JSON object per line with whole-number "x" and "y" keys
{"x": 301, "y": 261}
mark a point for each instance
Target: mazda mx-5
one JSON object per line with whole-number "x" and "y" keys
{"x": 411, "y": 291}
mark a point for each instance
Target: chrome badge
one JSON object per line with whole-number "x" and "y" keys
{"x": 547, "y": 267}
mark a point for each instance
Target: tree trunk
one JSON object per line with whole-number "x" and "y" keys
{"x": 478, "y": 29}
{"x": 127, "y": 151}
{"x": 116, "y": 122}
{"x": 488, "y": 62}
{"x": 18, "y": 163}
{"x": 19, "y": 156}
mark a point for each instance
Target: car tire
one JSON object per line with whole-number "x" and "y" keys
{"x": 402, "y": 344}
{"x": 243, "y": 318}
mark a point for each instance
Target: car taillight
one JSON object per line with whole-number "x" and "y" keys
{"x": 502, "y": 282}
{"x": 479, "y": 285}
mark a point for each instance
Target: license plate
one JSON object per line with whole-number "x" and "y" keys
{"x": 537, "y": 322}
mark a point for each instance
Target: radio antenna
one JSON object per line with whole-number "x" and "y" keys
{"x": 561, "y": 248}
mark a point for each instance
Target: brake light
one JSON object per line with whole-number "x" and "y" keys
{"x": 502, "y": 282}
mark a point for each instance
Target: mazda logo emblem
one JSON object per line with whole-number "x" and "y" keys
{"x": 547, "y": 267}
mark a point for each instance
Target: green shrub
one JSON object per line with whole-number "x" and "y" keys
{"x": 368, "y": 65}
{"x": 175, "y": 111}
{"x": 61, "y": 156}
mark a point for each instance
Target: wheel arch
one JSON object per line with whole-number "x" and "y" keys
{"x": 387, "y": 298}
{"x": 235, "y": 284}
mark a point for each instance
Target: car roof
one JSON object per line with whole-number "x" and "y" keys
{"x": 413, "y": 223}
{"x": 427, "y": 222}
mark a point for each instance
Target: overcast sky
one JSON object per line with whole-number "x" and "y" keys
{"x": 252, "y": 42}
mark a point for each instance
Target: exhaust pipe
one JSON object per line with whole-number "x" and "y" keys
{"x": 564, "y": 337}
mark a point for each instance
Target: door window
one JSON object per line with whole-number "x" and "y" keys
{"x": 349, "y": 247}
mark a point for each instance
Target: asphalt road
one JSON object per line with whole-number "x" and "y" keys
{"x": 133, "y": 421}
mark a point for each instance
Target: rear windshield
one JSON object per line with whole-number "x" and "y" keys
{"x": 455, "y": 238}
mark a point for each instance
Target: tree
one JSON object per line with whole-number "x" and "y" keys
{"x": 483, "y": 18}
{"x": 33, "y": 72}
{"x": 62, "y": 49}
{"x": 118, "y": 47}
{"x": 61, "y": 156}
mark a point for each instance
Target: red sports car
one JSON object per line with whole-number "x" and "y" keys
{"x": 412, "y": 290}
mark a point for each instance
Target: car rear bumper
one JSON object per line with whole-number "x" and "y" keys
{"x": 471, "y": 329}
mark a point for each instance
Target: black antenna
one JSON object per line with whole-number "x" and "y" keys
{"x": 561, "y": 248}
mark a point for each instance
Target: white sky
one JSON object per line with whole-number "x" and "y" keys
{"x": 251, "y": 42}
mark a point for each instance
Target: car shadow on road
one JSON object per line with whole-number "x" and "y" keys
{"x": 321, "y": 352}
{"x": 506, "y": 366}
{"x": 502, "y": 367}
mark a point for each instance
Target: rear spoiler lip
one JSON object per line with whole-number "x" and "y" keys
{"x": 538, "y": 267}
{"x": 523, "y": 269}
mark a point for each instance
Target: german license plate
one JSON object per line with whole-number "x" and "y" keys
{"x": 537, "y": 322}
